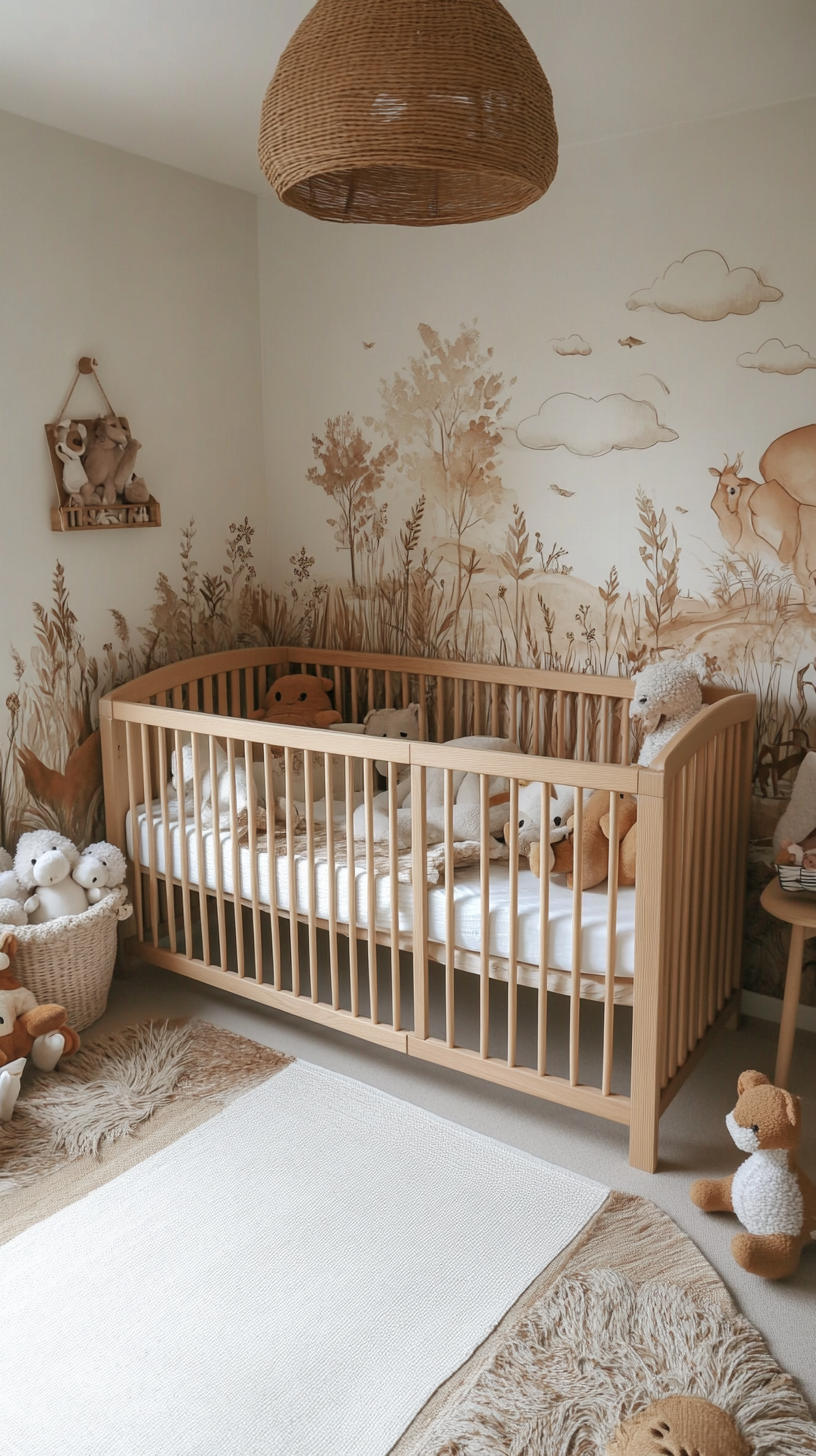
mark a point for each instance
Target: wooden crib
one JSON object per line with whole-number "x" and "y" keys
{"x": 506, "y": 970}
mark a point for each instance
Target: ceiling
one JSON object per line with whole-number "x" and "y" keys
{"x": 181, "y": 81}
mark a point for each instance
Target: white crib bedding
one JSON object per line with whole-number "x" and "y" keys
{"x": 466, "y": 892}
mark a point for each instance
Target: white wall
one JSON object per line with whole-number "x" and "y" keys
{"x": 154, "y": 272}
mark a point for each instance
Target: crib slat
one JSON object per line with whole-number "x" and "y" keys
{"x": 131, "y": 739}
{"x": 237, "y": 888}
{"x": 512, "y": 949}
{"x": 440, "y": 710}
{"x": 223, "y": 959}
{"x": 203, "y": 901}
{"x": 393, "y": 869}
{"x": 235, "y": 693}
{"x": 577, "y": 902}
{"x": 371, "y": 702}
{"x": 151, "y": 838}
{"x": 730, "y": 798}
{"x": 689, "y": 782}
{"x": 560, "y": 715}
{"x": 354, "y": 709}
{"x": 495, "y": 711}
{"x": 419, "y": 875}
{"x": 272, "y": 863}
{"x": 718, "y": 887}
{"x": 406, "y": 690}
{"x": 371, "y": 896}
{"x": 625, "y": 731}
{"x": 477, "y": 708}
{"x": 184, "y": 854}
{"x": 484, "y": 912}
{"x": 207, "y": 694}
{"x": 543, "y": 935}
{"x": 611, "y": 946}
{"x": 423, "y": 706}
{"x": 294, "y": 946}
{"x": 706, "y": 927}
{"x": 535, "y": 741}
{"x": 458, "y": 730}
{"x": 450, "y": 1031}
{"x": 308, "y": 777}
{"x": 580, "y": 728}
{"x": 354, "y": 977}
{"x": 252, "y": 830}
{"x": 169, "y": 878}
{"x": 674, "y": 916}
{"x": 334, "y": 967}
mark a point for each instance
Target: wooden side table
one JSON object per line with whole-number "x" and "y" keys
{"x": 799, "y": 911}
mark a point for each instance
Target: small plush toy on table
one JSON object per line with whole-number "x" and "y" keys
{"x": 771, "y": 1196}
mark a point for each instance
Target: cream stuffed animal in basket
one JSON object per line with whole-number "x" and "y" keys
{"x": 101, "y": 870}
{"x": 15, "y": 901}
{"x": 44, "y": 864}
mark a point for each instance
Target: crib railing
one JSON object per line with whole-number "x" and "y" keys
{"x": 256, "y": 907}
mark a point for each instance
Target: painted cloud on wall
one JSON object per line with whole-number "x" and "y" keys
{"x": 593, "y": 426}
{"x": 573, "y": 344}
{"x": 702, "y": 286}
{"x": 774, "y": 357}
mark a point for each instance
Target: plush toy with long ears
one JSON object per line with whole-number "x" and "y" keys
{"x": 26, "y": 1029}
{"x": 773, "y": 1199}
{"x": 299, "y": 700}
{"x": 14, "y": 899}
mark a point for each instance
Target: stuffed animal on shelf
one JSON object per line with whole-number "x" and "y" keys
{"x": 771, "y": 1196}
{"x": 10, "y": 1076}
{"x": 798, "y": 823}
{"x": 44, "y": 865}
{"x": 14, "y": 900}
{"x": 109, "y": 458}
{"x": 26, "y": 1029}
{"x": 677, "y": 1424}
{"x": 101, "y": 870}
{"x": 594, "y": 842}
{"x": 69, "y": 446}
{"x": 299, "y": 700}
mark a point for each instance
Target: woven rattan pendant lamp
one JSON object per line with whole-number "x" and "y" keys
{"x": 417, "y": 112}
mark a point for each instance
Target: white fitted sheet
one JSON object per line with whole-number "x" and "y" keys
{"x": 466, "y": 894}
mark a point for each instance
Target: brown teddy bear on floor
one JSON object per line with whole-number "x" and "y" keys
{"x": 769, "y": 1193}
{"x": 300, "y": 700}
{"x": 27, "y": 1029}
{"x": 679, "y": 1423}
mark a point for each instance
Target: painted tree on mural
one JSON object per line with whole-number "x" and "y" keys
{"x": 444, "y": 415}
{"x": 351, "y": 476}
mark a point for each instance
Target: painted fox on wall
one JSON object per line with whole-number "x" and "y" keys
{"x": 776, "y": 516}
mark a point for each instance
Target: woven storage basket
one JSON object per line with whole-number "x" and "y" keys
{"x": 796, "y": 880}
{"x": 70, "y": 960}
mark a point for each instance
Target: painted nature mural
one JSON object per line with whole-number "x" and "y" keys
{"x": 441, "y": 559}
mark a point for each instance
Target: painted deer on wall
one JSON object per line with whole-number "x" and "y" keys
{"x": 774, "y": 517}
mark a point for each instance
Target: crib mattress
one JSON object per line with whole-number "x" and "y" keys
{"x": 466, "y": 893}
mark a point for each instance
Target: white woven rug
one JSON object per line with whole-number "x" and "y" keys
{"x": 297, "y": 1275}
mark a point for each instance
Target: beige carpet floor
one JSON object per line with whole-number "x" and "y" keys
{"x": 694, "y": 1138}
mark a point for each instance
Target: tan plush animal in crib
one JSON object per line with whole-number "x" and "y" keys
{"x": 300, "y": 700}
{"x": 771, "y": 1196}
{"x": 594, "y": 843}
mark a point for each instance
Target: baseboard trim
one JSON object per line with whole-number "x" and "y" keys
{"x": 769, "y": 1008}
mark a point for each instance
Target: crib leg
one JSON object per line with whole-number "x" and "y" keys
{"x": 644, "y": 1132}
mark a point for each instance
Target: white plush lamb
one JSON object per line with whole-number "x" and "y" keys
{"x": 667, "y": 695}
{"x": 466, "y": 800}
{"x": 100, "y": 871}
{"x": 44, "y": 863}
{"x": 15, "y": 901}
{"x": 222, "y": 790}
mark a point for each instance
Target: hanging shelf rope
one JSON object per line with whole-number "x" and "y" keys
{"x": 419, "y": 112}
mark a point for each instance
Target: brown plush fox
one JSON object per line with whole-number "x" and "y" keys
{"x": 769, "y": 1193}
{"x": 27, "y": 1029}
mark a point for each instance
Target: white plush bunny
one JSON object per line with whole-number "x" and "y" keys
{"x": 69, "y": 445}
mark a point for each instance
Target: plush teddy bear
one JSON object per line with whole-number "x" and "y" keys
{"x": 101, "y": 870}
{"x": 300, "y": 700}
{"x": 27, "y": 1029}
{"x": 677, "y": 1424}
{"x": 109, "y": 458}
{"x": 562, "y": 803}
{"x": 69, "y": 446}
{"x": 771, "y": 1196}
{"x": 594, "y": 842}
{"x": 44, "y": 864}
{"x": 14, "y": 900}
{"x": 393, "y": 723}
